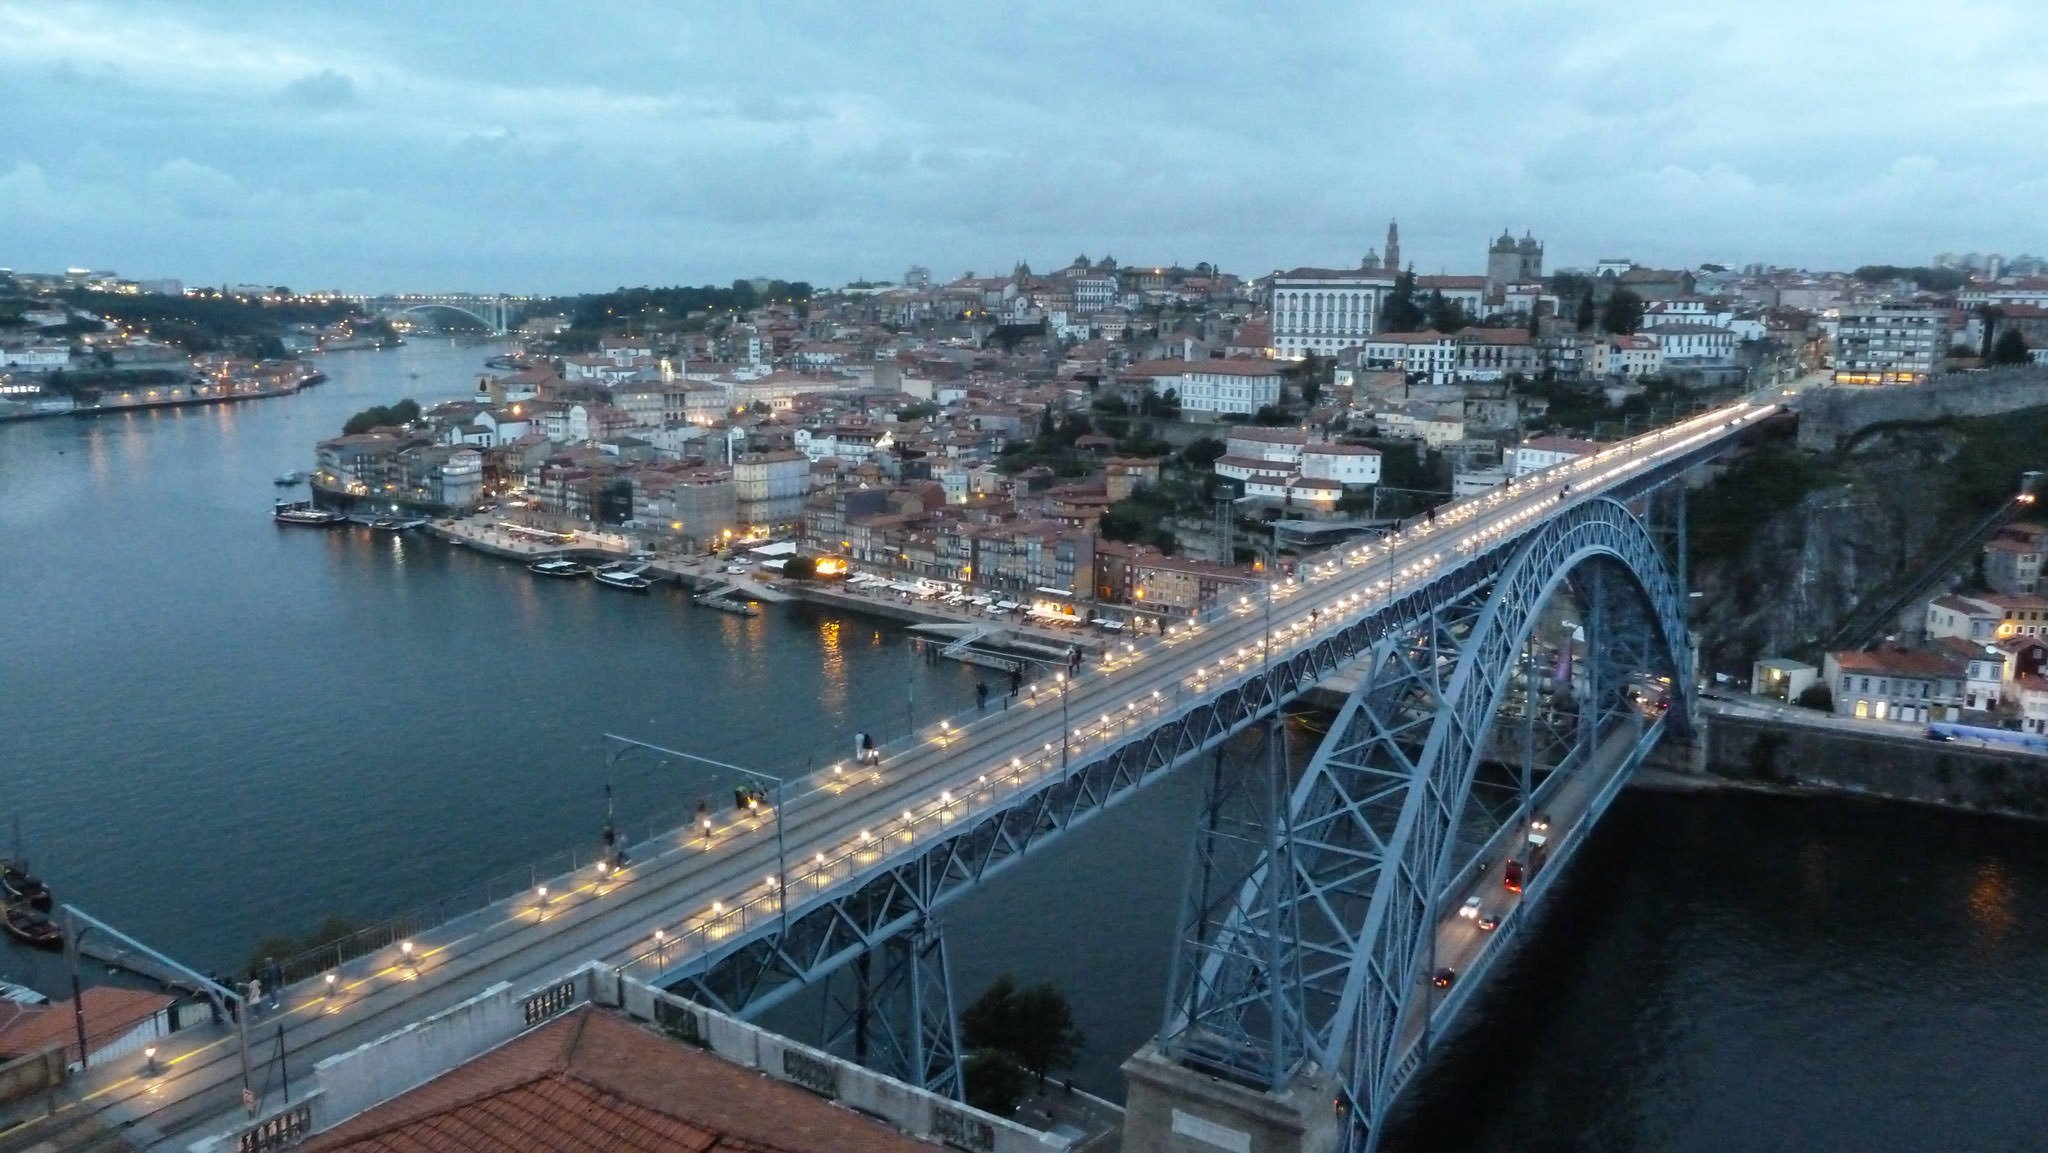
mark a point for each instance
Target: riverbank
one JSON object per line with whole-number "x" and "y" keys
{"x": 176, "y": 396}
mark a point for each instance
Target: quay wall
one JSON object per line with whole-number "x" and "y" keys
{"x": 1762, "y": 752}
{"x": 1829, "y": 417}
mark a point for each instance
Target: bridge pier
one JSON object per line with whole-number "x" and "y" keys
{"x": 1170, "y": 1108}
{"x": 899, "y": 1016}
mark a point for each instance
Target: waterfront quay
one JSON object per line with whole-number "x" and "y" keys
{"x": 492, "y": 535}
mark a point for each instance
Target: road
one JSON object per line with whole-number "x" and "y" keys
{"x": 697, "y": 892}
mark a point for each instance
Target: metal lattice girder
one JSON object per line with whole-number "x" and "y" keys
{"x": 900, "y": 1020}
{"x": 1374, "y": 822}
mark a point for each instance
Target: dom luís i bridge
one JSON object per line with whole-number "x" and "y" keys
{"x": 1508, "y": 662}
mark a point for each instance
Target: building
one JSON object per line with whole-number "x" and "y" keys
{"x": 2012, "y": 559}
{"x": 1348, "y": 465}
{"x": 1889, "y": 345}
{"x": 1910, "y": 685}
{"x": 1429, "y": 354}
{"x": 1214, "y": 387}
{"x": 1688, "y": 344}
{"x": 1634, "y": 356}
{"x": 769, "y": 487}
{"x": 1326, "y": 310}
{"x": 1153, "y": 583}
{"x": 1511, "y": 261}
{"x": 1541, "y": 452}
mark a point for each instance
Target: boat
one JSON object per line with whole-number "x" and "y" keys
{"x": 289, "y": 479}
{"x": 32, "y": 928}
{"x": 303, "y": 512}
{"x": 727, "y": 604}
{"x": 23, "y": 887}
{"x": 558, "y": 567}
{"x": 21, "y": 994}
{"x": 625, "y": 580}
{"x": 396, "y": 524}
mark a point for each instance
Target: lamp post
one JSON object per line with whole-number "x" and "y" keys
{"x": 627, "y": 744}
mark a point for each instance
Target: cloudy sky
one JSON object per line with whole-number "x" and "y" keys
{"x": 568, "y": 146}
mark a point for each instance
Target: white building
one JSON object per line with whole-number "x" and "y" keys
{"x": 36, "y": 357}
{"x": 1349, "y": 465}
{"x": 1634, "y": 356}
{"x": 1215, "y": 386}
{"x": 1697, "y": 344}
{"x": 1541, "y": 452}
{"x": 1889, "y": 345}
{"x": 1430, "y": 353}
{"x": 1326, "y": 310}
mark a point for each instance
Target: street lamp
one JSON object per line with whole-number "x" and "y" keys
{"x": 626, "y": 745}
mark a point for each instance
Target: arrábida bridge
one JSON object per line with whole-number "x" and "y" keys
{"x": 1326, "y": 940}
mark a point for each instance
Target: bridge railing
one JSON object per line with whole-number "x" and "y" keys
{"x": 710, "y": 927}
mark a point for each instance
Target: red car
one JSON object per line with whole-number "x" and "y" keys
{"x": 1511, "y": 877}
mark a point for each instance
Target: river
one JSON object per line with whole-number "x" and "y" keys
{"x": 215, "y": 729}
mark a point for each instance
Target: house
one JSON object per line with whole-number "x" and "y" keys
{"x": 2032, "y": 692}
{"x": 1984, "y": 671}
{"x": 115, "y": 1022}
{"x": 2012, "y": 559}
{"x": 1214, "y": 386}
{"x": 1910, "y": 685}
{"x": 1781, "y": 678}
{"x": 1541, "y": 452}
{"x": 1965, "y": 617}
{"x": 1634, "y": 356}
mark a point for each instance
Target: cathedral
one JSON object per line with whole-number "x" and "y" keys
{"x": 1511, "y": 261}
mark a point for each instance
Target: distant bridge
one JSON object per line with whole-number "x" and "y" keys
{"x": 494, "y": 312}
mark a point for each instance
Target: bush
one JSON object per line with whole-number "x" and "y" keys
{"x": 1816, "y": 696}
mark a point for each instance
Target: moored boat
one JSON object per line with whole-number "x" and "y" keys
{"x": 32, "y": 928}
{"x": 21, "y": 994}
{"x": 303, "y": 512}
{"x": 290, "y": 478}
{"x": 23, "y": 887}
{"x": 558, "y": 567}
{"x": 726, "y": 604}
{"x": 623, "y": 580}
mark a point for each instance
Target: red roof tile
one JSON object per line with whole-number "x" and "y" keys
{"x": 595, "y": 1083}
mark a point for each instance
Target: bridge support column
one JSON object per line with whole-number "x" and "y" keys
{"x": 899, "y": 1017}
{"x": 1170, "y": 1108}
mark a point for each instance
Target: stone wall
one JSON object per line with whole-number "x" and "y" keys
{"x": 1830, "y": 416}
{"x": 1879, "y": 765}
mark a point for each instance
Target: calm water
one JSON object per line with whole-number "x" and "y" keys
{"x": 215, "y": 729}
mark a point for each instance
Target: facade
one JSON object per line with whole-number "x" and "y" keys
{"x": 1890, "y": 345}
{"x": 1215, "y": 386}
{"x": 1431, "y": 354}
{"x": 1349, "y": 465}
{"x": 769, "y": 487}
{"x": 1326, "y": 310}
{"x": 1541, "y": 452}
{"x": 1913, "y": 686}
{"x": 1511, "y": 261}
{"x": 1634, "y": 356}
{"x": 1685, "y": 343}
{"x": 2012, "y": 559}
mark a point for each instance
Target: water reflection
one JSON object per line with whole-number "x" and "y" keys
{"x": 1990, "y": 904}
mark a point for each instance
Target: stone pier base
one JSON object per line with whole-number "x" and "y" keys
{"x": 1169, "y": 1108}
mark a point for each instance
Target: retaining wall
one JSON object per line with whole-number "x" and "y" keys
{"x": 1830, "y": 416}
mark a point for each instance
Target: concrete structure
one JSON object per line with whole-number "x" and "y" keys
{"x": 1890, "y": 345}
{"x": 1169, "y": 1108}
{"x": 1326, "y": 310}
{"x": 1781, "y": 678}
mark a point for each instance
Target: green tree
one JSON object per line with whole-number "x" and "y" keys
{"x": 2010, "y": 349}
{"x": 1624, "y": 312}
{"x": 1816, "y": 696}
{"x": 382, "y": 416}
{"x": 995, "y": 1082}
{"x": 1401, "y": 313}
{"x": 1588, "y": 311}
{"x": 1204, "y": 452}
{"x": 1445, "y": 315}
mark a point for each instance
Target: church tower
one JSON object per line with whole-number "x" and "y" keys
{"x": 1393, "y": 261}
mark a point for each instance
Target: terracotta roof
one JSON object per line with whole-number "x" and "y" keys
{"x": 1898, "y": 663}
{"x": 109, "y": 1014}
{"x": 594, "y": 1082}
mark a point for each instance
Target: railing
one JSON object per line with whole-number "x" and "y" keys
{"x": 849, "y": 860}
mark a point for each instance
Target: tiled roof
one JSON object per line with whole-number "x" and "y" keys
{"x": 109, "y": 1014}
{"x": 595, "y": 1083}
{"x": 1898, "y": 663}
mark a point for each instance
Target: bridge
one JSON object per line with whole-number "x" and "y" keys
{"x": 495, "y": 312}
{"x": 1514, "y": 657}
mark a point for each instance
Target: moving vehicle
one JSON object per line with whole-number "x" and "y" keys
{"x": 1511, "y": 877}
{"x": 1470, "y": 909}
{"x": 1488, "y": 922}
{"x": 1443, "y": 977}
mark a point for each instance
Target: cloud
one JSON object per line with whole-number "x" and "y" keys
{"x": 196, "y": 190}
{"x": 322, "y": 90}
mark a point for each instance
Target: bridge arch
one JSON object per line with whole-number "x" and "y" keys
{"x": 488, "y": 323}
{"x": 1321, "y": 957}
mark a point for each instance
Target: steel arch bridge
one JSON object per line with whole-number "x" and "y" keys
{"x": 1315, "y": 950}
{"x": 498, "y": 320}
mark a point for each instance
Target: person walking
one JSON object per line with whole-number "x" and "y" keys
{"x": 860, "y": 747}
{"x": 867, "y": 744}
{"x": 980, "y": 695}
{"x": 273, "y": 975}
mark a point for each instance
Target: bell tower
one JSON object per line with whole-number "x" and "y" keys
{"x": 1393, "y": 249}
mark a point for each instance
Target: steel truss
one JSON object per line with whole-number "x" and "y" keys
{"x": 1319, "y": 954}
{"x": 896, "y": 1014}
{"x": 754, "y": 970}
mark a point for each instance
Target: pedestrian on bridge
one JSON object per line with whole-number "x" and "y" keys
{"x": 1016, "y": 679}
{"x": 980, "y": 695}
{"x": 273, "y": 975}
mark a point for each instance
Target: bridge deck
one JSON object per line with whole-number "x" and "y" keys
{"x": 841, "y": 826}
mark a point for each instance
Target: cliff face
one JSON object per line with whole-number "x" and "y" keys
{"x": 1789, "y": 545}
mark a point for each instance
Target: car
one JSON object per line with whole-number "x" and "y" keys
{"x": 736, "y": 569}
{"x": 1541, "y": 824}
{"x": 1511, "y": 876}
{"x": 1488, "y": 922}
{"x": 1933, "y": 735}
{"x": 1443, "y": 977}
{"x": 1470, "y": 909}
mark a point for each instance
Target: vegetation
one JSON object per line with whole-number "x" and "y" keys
{"x": 1029, "y": 1029}
{"x": 1930, "y": 279}
{"x": 2010, "y": 349}
{"x": 924, "y": 411}
{"x": 1053, "y": 446}
{"x": 1816, "y": 696}
{"x": 211, "y": 323}
{"x": 1401, "y": 312}
{"x": 382, "y": 416}
{"x": 1624, "y": 312}
{"x": 1774, "y": 478}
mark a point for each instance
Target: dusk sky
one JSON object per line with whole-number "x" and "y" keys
{"x": 480, "y": 145}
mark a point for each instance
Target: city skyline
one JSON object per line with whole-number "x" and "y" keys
{"x": 377, "y": 148}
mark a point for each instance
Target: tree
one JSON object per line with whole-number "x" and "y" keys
{"x": 1988, "y": 316}
{"x": 1816, "y": 696}
{"x": 1033, "y": 1027}
{"x": 1624, "y": 313}
{"x": 2010, "y": 349}
{"x": 801, "y": 568}
{"x": 1444, "y": 314}
{"x": 1204, "y": 452}
{"x": 995, "y": 1083}
{"x": 1588, "y": 311}
{"x": 1401, "y": 313}
{"x": 382, "y": 416}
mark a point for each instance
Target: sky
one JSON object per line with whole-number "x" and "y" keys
{"x": 577, "y": 145}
